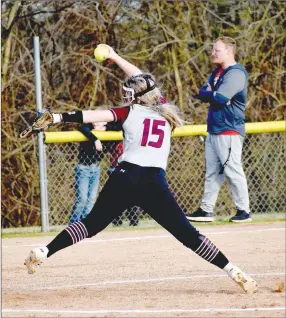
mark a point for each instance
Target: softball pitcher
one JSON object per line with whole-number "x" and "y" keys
{"x": 140, "y": 178}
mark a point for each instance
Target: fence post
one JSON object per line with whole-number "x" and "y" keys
{"x": 41, "y": 146}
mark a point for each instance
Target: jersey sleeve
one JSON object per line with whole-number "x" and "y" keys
{"x": 120, "y": 114}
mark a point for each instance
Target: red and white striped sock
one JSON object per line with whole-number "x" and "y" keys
{"x": 73, "y": 234}
{"x": 211, "y": 253}
{"x": 77, "y": 231}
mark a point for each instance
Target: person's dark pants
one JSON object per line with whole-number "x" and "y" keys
{"x": 146, "y": 187}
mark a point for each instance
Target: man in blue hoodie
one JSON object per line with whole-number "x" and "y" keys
{"x": 225, "y": 91}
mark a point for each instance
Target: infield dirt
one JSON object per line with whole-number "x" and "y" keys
{"x": 146, "y": 273}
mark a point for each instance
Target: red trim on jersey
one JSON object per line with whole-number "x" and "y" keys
{"x": 229, "y": 132}
{"x": 163, "y": 100}
{"x": 120, "y": 113}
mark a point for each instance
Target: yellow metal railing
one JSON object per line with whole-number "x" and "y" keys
{"x": 188, "y": 130}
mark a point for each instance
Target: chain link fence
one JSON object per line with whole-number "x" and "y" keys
{"x": 263, "y": 159}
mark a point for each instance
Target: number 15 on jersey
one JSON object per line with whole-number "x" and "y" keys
{"x": 153, "y": 127}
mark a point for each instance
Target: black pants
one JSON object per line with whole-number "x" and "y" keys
{"x": 131, "y": 185}
{"x": 146, "y": 187}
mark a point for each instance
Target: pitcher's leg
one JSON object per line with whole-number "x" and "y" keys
{"x": 110, "y": 204}
{"x": 159, "y": 203}
{"x": 165, "y": 210}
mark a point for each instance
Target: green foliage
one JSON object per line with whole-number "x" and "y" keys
{"x": 171, "y": 39}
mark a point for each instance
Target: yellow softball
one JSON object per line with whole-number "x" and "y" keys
{"x": 101, "y": 52}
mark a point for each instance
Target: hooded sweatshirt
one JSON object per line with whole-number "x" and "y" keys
{"x": 227, "y": 100}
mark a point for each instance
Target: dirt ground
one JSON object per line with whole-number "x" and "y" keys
{"x": 146, "y": 273}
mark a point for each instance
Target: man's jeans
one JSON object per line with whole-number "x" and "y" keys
{"x": 87, "y": 182}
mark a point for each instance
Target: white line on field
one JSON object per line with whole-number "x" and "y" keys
{"x": 146, "y": 280}
{"x": 141, "y": 311}
{"x": 140, "y": 238}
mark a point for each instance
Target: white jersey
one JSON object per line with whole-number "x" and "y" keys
{"x": 146, "y": 136}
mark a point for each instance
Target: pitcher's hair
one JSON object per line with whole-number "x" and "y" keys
{"x": 153, "y": 98}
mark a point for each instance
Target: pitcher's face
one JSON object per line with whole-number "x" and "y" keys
{"x": 128, "y": 95}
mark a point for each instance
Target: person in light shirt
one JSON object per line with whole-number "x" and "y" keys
{"x": 140, "y": 177}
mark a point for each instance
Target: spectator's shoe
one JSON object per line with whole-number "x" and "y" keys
{"x": 247, "y": 283}
{"x": 200, "y": 216}
{"x": 241, "y": 217}
{"x": 35, "y": 259}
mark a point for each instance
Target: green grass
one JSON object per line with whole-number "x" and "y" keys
{"x": 147, "y": 224}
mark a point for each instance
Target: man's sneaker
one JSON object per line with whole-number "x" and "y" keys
{"x": 35, "y": 259}
{"x": 241, "y": 217}
{"x": 247, "y": 283}
{"x": 200, "y": 216}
